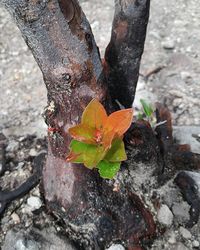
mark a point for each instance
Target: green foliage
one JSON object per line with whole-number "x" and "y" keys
{"x": 148, "y": 109}
{"x": 108, "y": 169}
{"x": 117, "y": 151}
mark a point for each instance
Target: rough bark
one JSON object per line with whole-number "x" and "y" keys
{"x": 125, "y": 49}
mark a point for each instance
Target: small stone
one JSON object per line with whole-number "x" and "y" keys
{"x": 195, "y": 244}
{"x": 168, "y": 44}
{"x": 46, "y": 239}
{"x": 189, "y": 49}
{"x": 165, "y": 216}
{"x": 185, "y": 75}
{"x": 185, "y": 233}
{"x": 21, "y": 138}
{"x": 20, "y": 245}
{"x": 180, "y": 246}
{"x": 187, "y": 135}
{"x": 5, "y": 220}
{"x": 15, "y": 218}
{"x": 181, "y": 211}
{"x": 1, "y": 167}
{"x": 33, "y": 152}
{"x": 36, "y": 192}
{"x": 28, "y": 223}
{"x": 34, "y": 203}
{"x": 116, "y": 247}
{"x": 12, "y": 146}
{"x": 95, "y": 25}
{"x": 170, "y": 195}
{"x": 23, "y": 244}
{"x": 172, "y": 238}
{"x": 20, "y": 165}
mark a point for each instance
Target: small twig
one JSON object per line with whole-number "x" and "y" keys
{"x": 119, "y": 104}
{"x": 7, "y": 196}
{"x": 197, "y": 137}
{"x": 153, "y": 71}
{"x": 2, "y": 154}
{"x": 159, "y": 123}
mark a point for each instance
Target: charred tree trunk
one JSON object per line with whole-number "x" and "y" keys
{"x": 125, "y": 49}
{"x": 59, "y": 36}
{"x": 95, "y": 211}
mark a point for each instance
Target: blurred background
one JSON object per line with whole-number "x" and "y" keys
{"x": 169, "y": 73}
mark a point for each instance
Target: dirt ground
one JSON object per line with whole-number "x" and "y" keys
{"x": 169, "y": 73}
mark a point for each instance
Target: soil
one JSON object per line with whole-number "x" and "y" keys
{"x": 170, "y": 74}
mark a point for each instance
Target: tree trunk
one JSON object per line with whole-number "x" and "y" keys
{"x": 95, "y": 211}
{"x": 125, "y": 49}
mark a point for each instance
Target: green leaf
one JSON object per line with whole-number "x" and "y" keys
{"x": 78, "y": 148}
{"x": 140, "y": 116}
{"x": 108, "y": 169}
{"x": 93, "y": 155}
{"x": 90, "y": 155}
{"x": 148, "y": 110}
{"x": 117, "y": 152}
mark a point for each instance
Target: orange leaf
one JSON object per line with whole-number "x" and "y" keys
{"x": 72, "y": 157}
{"x": 83, "y": 133}
{"x": 108, "y": 136}
{"x": 94, "y": 115}
{"x": 119, "y": 121}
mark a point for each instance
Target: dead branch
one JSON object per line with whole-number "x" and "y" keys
{"x": 188, "y": 182}
{"x": 175, "y": 157}
{"x": 125, "y": 49}
{"x": 2, "y": 153}
{"x": 7, "y": 196}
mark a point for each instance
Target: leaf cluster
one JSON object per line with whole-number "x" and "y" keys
{"x": 98, "y": 139}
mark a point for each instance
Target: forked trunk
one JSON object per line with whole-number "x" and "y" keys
{"x": 95, "y": 211}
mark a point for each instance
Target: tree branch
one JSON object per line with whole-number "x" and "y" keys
{"x": 125, "y": 49}
{"x": 2, "y": 154}
{"x": 60, "y": 38}
{"x": 7, "y": 196}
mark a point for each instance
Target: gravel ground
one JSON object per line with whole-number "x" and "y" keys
{"x": 170, "y": 74}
